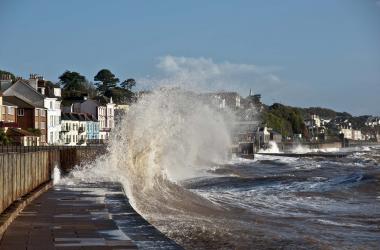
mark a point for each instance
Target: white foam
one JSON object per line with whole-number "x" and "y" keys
{"x": 56, "y": 175}
{"x": 272, "y": 148}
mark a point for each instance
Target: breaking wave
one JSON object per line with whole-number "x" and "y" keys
{"x": 166, "y": 137}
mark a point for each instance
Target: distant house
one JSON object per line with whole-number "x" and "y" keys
{"x": 262, "y": 136}
{"x": 79, "y": 129}
{"x": 37, "y": 92}
{"x": 102, "y": 108}
{"x": 30, "y": 117}
{"x": 351, "y": 134}
{"x": 372, "y": 121}
{"x": 8, "y": 112}
{"x": 69, "y": 129}
{"x": 315, "y": 127}
{"x": 340, "y": 123}
{"x": 92, "y": 129}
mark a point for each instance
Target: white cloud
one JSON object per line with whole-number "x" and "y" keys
{"x": 206, "y": 75}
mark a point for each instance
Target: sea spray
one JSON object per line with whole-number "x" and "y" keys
{"x": 272, "y": 148}
{"x": 167, "y": 136}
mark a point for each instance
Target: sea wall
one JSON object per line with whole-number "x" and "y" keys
{"x": 23, "y": 169}
{"x": 288, "y": 147}
{"x": 356, "y": 143}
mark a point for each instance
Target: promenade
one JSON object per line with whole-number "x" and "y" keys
{"x": 84, "y": 216}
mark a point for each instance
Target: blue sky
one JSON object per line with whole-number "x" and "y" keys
{"x": 297, "y": 52}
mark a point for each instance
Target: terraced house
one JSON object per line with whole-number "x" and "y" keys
{"x": 44, "y": 95}
{"x": 29, "y": 119}
{"x": 79, "y": 129}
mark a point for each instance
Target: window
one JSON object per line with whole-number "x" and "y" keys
{"x": 43, "y": 125}
{"x": 36, "y": 112}
{"x": 51, "y": 104}
{"x": 11, "y": 110}
{"x": 20, "y": 112}
{"x": 36, "y": 124}
{"x": 43, "y": 112}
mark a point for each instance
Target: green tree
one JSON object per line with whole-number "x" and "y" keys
{"x": 286, "y": 120}
{"x": 128, "y": 84}
{"x": 73, "y": 83}
{"x": 105, "y": 81}
{"x": 4, "y": 139}
{"x": 120, "y": 95}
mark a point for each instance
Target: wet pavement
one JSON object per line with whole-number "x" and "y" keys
{"x": 85, "y": 216}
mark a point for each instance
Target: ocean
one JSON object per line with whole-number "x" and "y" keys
{"x": 171, "y": 154}
{"x": 275, "y": 202}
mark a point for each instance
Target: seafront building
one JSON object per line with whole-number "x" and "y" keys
{"x": 69, "y": 129}
{"x": 29, "y": 121}
{"x": 102, "y": 108}
{"x": 36, "y": 92}
{"x": 92, "y": 126}
{"x": 79, "y": 129}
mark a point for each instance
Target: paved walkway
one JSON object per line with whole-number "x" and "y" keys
{"x": 88, "y": 216}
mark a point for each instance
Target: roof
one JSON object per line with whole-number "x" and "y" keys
{"x": 24, "y": 91}
{"x": 102, "y": 100}
{"x": 14, "y": 100}
{"x": 26, "y": 82}
{"x": 78, "y": 117}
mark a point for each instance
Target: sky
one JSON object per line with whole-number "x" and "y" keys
{"x": 297, "y": 52}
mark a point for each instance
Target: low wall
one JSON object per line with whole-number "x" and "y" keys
{"x": 20, "y": 173}
{"x": 356, "y": 143}
{"x": 287, "y": 147}
{"x": 22, "y": 170}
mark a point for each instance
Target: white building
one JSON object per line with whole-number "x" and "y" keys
{"x": 357, "y": 135}
{"x": 53, "y": 106}
{"x": 70, "y": 128}
{"x": 314, "y": 121}
{"x": 351, "y": 134}
{"x": 104, "y": 111}
{"x": 372, "y": 121}
{"x": 262, "y": 136}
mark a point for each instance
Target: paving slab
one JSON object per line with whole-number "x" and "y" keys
{"x": 84, "y": 216}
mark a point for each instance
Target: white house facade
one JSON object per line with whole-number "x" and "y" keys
{"x": 103, "y": 111}
{"x": 69, "y": 130}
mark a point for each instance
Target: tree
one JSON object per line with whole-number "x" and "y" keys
{"x": 73, "y": 83}
{"x": 4, "y": 139}
{"x": 105, "y": 81}
{"x": 3, "y": 73}
{"x": 120, "y": 95}
{"x": 128, "y": 84}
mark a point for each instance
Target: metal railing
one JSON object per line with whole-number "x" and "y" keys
{"x": 25, "y": 149}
